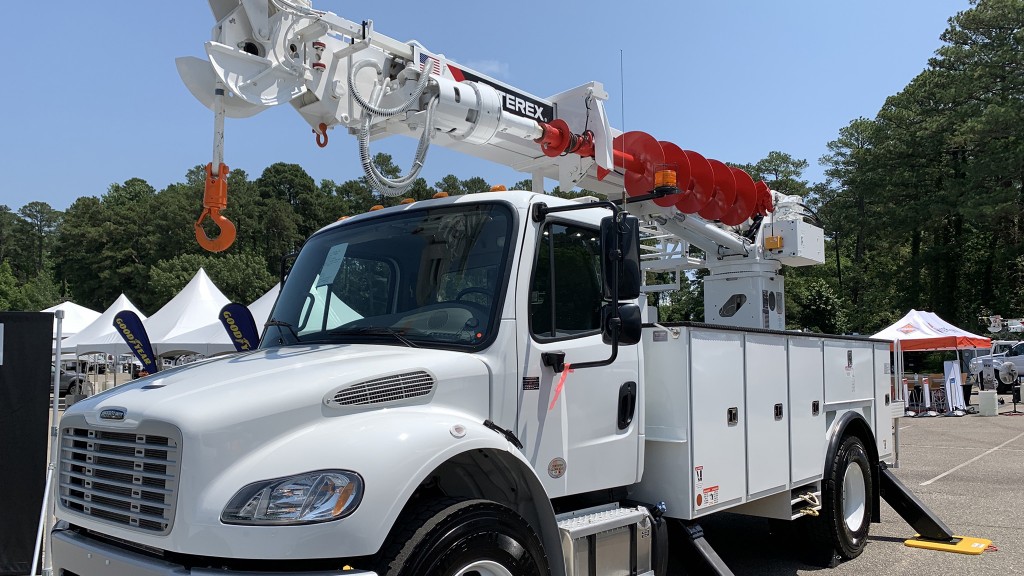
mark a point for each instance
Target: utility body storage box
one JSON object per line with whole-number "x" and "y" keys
{"x": 724, "y": 404}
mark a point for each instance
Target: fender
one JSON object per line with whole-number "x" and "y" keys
{"x": 853, "y": 423}
{"x": 394, "y": 451}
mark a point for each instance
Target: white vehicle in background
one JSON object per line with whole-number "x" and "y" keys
{"x": 999, "y": 369}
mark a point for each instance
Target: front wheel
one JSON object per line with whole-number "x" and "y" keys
{"x": 463, "y": 538}
{"x": 840, "y": 531}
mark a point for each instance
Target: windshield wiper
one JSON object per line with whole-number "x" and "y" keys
{"x": 375, "y": 330}
{"x": 290, "y": 328}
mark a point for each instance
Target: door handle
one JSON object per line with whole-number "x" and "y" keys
{"x": 627, "y": 404}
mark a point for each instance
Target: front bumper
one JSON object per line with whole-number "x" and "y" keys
{"x": 73, "y": 553}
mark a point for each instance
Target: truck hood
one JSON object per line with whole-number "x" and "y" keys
{"x": 250, "y": 386}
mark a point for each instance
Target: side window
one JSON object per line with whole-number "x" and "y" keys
{"x": 565, "y": 294}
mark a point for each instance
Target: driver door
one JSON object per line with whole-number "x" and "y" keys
{"x": 580, "y": 429}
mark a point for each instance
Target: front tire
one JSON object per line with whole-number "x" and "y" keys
{"x": 840, "y": 530}
{"x": 463, "y": 538}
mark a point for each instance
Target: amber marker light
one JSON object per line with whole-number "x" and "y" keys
{"x": 407, "y": 201}
{"x": 441, "y": 195}
{"x": 377, "y": 207}
{"x": 343, "y": 497}
{"x": 664, "y": 178}
{"x": 498, "y": 188}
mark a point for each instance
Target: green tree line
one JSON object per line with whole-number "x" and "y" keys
{"x": 922, "y": 207}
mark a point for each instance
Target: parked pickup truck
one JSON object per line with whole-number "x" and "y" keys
{"x": 999, "y": 369}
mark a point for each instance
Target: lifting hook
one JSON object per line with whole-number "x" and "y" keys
{"x": 321, "y": 135}
{"x": 215, "y": 200}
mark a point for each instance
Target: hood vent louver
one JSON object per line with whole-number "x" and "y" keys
{"x": 388, "y": 389}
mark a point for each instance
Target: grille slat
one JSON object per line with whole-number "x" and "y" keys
{"x": 115, "y": 456}
{"x": 132, "y": 444}
{"x": 115, "y": 469}
{"x": 97, "y": 478}
{"x": 387, "y": 389}
{"x": 122, "y": 478}
{"x": 105, "y": 507}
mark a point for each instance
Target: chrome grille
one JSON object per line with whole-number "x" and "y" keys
{"x": 124, "y": 478}
{"x": 387, "y": 389}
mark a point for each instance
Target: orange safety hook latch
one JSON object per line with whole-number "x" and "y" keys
{"x": 215, "y": 200}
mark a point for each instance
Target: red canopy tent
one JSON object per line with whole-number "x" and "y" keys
{"x": 926, "y": 331}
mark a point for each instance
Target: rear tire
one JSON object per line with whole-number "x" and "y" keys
{"x": 840, "y": 531}
{"x": 75, "y": 388}
{"x": 462, "y": 538}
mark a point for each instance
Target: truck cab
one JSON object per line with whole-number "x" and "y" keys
{"x": 404, "y": 359}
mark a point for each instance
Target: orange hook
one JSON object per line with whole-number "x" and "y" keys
{"x": 215, "y": 200}
{"x": 321, "y": 135}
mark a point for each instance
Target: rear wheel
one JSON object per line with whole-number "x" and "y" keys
{"x": 463, "y": 538}
{"x": 76, "y": 387}
{"x": 840, "y": 531}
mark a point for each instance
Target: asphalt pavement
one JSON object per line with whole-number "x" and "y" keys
{"x": 969, "y": 471}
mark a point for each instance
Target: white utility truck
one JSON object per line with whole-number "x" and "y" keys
{"x": 999, "y": 369}
{"x": 471, "y": 385}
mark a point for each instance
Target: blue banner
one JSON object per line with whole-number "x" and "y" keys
{"x": 238, "y": 321}
{"x": 129, "y": 326}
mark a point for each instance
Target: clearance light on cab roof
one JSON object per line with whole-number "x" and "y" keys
{"x": 498, "y": 188}
{"x": 441, "y": 195}
{"x": 407, "y": 201}
{"x": 376, "y": 207}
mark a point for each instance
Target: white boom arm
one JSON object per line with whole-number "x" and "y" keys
{"x": 339, "y": 73}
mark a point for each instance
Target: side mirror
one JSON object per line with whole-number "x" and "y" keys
{"x": 629, "y": 322}
{"x": 620, "y": 243}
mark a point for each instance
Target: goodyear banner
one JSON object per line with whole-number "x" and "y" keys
{"x": 129, "y": 326}
{"x": 238, "y": 321}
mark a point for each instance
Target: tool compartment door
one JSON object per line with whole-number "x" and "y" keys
{"x": 767, "y": 414}
{"x": 718, "y": 420}
{"x": 806, "y": 409}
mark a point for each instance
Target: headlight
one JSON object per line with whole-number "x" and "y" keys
{"x": 303, "y": 499}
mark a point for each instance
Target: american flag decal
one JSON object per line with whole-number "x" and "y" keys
{"x": 435, "y": 64}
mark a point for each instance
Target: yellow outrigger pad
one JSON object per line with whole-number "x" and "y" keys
{"x": 959, "y": 544}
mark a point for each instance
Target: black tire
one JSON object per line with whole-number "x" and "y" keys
{"x": 1000, "y": 386}
{"x": 462, "y": 537}
{"x": 840, "y": 531}
{"x": 75, "y": 387}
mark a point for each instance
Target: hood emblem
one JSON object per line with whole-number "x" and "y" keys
{"x": 112, "y": 414}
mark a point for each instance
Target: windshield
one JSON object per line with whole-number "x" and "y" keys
{"x": 431, "y": 277}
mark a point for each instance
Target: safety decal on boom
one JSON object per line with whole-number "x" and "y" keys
{"x": 511, "y": 101}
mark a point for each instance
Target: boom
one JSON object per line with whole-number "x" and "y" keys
{"x": 339, "y": 73}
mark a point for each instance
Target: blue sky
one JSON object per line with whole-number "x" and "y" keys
{"x": 91, "y": 95}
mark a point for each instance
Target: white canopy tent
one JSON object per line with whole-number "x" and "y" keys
{"x": 920, "y": 331}
{"x": 926, "y": 331}
{"x": 197, "y": 305}
{"x": 212, "y": 339}
{"x": 100, "y": 336}
{"x": 76, "y": 318}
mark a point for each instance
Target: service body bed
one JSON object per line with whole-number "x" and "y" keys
{"x": 740, "y": 419}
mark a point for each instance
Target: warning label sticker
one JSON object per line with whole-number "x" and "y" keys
{"x": 707, "y": 497}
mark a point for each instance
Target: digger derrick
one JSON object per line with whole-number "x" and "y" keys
{"x": 339, "y": 73}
